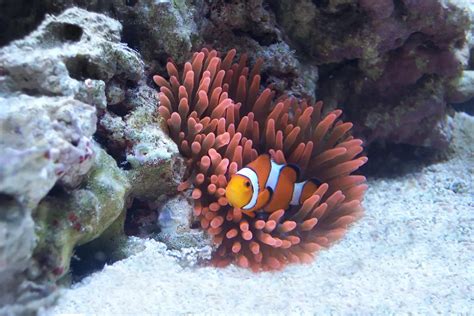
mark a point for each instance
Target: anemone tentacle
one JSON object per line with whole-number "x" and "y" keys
{"x": 221, "y": 121}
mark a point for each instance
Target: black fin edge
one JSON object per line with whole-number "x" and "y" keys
{"x": 271, "y": 193}
{"x": 270, "y": 190}
{"x": 315, "y": 181}
{"x": 297, "y": 170}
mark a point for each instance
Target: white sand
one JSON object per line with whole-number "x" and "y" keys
{"x": 412, "y": 252}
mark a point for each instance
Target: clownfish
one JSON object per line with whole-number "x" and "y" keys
{"x": 264, "y": 184}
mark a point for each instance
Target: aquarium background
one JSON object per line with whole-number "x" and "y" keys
{"x": 91, "y": 218}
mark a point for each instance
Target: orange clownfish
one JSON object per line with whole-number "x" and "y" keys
{"x": 264, "y": 184}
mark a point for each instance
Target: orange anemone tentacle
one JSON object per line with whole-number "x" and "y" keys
{"x": 222, "y": 119}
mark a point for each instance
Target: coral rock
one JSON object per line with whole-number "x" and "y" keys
{"x": 17, "y": 241}
{"x": 44, "y": 140}
{"x": 175, "y": 221}
{"x": 64, "y": 220}
{"x": 152, "y": 157}
{"x": 52, "y": 86}
{"x": 374, "y": 55}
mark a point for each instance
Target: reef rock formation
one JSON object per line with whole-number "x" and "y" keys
{"x": 463, "y": 86}
{"x": 67, "y": 219}
{"x": 137, "y": 140}
{"x": 133, "y": 133}
{"x": 389, "y": 63}
{"x": 373, "y": 57}
{"x": 176, "y": 229}
{"x": 155, "y": 28}
{"x": 66, "y": 90}
{"x": 45, "y": 140}
{"x": 52, "y": 87}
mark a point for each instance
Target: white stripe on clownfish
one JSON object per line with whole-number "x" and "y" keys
{"x": 266, "y": 185}
{"x": 253, "y": 177}
{"x": 295, "y": 200}
{"x": 274, "y": 175}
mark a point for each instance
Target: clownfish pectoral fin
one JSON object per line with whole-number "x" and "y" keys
{"x": 263, "y": 198}
{"x": 268, "y": 193}
{"x": 248, "y": 213}
{"x": 296, "y": 168}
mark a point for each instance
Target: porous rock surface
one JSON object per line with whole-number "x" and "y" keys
{"x": 155, "y": 163}
{"x": 70, "y": 83}
{"x": 65, "y": 220}
{"x": 388, "y": 63}
{"x": 58, "y": 188}
{"x": 392, "y": 65}
{"x": 155, "y": 28}
{"x": 44, "y": 140}
{"x": 73, "y": 55}
{"x": 175, "y": 223}
{"x": 155, "y": 167}
{"x": 463, "y": 86}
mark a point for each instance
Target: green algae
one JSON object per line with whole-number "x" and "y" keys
{"x": 65, "y": 220}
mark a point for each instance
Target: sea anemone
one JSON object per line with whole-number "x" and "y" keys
{"x": 215, "y": 112}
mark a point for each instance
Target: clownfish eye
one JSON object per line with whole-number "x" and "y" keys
{"x": 247, "y": 184}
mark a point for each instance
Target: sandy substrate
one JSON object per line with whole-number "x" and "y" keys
{"x": 412, "y": 252}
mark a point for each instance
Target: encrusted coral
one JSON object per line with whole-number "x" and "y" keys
{"x": 221, "y": 121}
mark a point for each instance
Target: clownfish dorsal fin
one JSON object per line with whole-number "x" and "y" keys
{"x": 261, "y": 166}
{"x": 260, "y": 161}
{"x": 289, "y": 173}
{"x": 308, "y": 189}
{"x": 297, "y": 170}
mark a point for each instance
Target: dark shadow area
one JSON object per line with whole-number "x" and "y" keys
{"x": 467, "y": 107}
{"x": 19, "y": 18}
{"x": 264, "y": 39}
{"x": 400, "y": 10}
{"x": 131, "y": 3}
{"x": 37, "y": 92}
{"x": 108, "y": 248}
{"x": 321, "y": 3}
{"x": 395, "y": 160}
{"x": 115, "y": 149}
{"x": 66, "y": 32}
{"x": 58, "y": 191}
{"x": 81, "y": 68}
{"x": 119, "y": 109}
{"x": 141, "y": 220}
{"x": 87, "y": 260}
{"x": 132, "y": 34}
{"x": 11, "y": 210}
